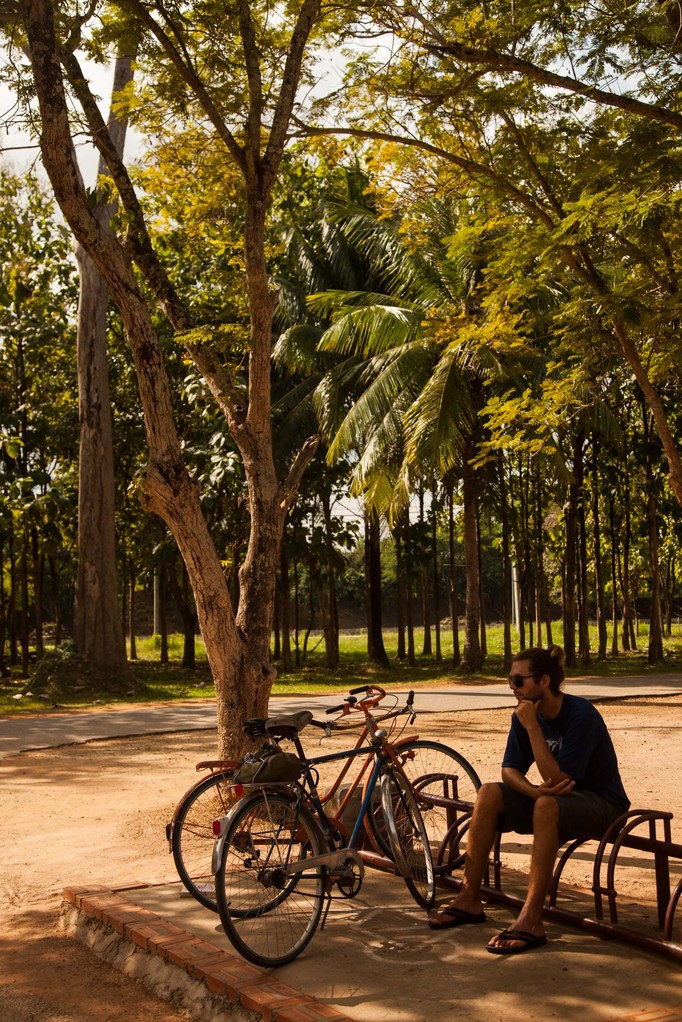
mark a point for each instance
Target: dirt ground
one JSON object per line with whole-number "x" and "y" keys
{"x": 96, "y": 813}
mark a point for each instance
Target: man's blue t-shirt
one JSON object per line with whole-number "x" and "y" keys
{"x": 581, "y": 744}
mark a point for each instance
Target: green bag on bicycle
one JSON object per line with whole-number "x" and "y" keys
{"x": 269, "y": 765}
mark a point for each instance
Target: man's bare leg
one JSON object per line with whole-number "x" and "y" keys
{"x": 545, "y": 847}
{"x": 480, "y": 839}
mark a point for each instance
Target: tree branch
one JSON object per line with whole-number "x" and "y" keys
{"x": 289, "y": 487}
{"x": 255, "y": 81}
{"x": 470, "y": 166}
{"x": 139, "y": 245}
{"x": 189, "y": 77}
{"x": 287, "y": 94}
{"x": 495, "y": 61}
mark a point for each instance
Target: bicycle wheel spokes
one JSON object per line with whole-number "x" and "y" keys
{"x": 193, "y": 838}
{"x": 269, "y": 911}
{"x": 445, "y": 786}
{"x": 408, "y": 837}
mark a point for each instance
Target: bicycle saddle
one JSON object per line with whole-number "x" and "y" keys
{"x": 288, "y": 725}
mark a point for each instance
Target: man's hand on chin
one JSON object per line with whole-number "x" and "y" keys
{"x": 527, "y": 712}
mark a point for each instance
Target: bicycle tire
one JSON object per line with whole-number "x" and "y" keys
{"x": 192, "y": 837}
{"x": 266, "y": 834}
{"x": 409, "y": 839}
{"x": 436, "y": 773}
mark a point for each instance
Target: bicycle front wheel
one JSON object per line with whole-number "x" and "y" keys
{"x": 192, "y": 836}
{"x": 408, "y": 837}
{"x": 445, "y": 786}
{"x": 269, "y": 901}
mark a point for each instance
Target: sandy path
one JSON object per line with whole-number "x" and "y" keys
{"x": 96, "y": 814}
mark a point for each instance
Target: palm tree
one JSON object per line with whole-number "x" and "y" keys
{"x": 410, "y": 349}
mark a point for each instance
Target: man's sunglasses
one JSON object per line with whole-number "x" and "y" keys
{"x": 517, "y": 680}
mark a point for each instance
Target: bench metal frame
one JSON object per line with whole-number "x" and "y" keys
{"x": 656, "y": 839}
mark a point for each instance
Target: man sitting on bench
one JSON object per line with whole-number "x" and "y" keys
{"x": 579, "y": 796}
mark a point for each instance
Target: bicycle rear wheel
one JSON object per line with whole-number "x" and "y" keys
{"x": 445, "y": 786}
{"x": 269, "y": 902}
{"x": 409, "y": 840}
{"x": 192, "y": 836}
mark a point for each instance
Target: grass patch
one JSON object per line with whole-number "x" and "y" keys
{"x": 62, "y": 680}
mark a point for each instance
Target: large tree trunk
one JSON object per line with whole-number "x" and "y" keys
{"x": 237, "y": 646}
{"x": 98, "y": 628}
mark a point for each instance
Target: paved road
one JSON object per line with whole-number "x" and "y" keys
{"x": 21, "y": 734}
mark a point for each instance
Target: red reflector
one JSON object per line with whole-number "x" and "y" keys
{"x": 217, "y": 826}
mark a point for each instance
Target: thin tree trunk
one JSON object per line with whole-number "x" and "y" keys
{"x": 183, "y": 602}
{"x": 378, "y": 654}
{"x": 25, "y": 606}
{"x": 132, "y": 616}
{"x": 400, "y": 589}
{"x": 481, "y": 587}
{"x": 4, "y": 669}
{"x": 583, "y": 605}
{"x": 37, "y": 593}
{"x": 614, "y": 575}
{"x": 163, "y": 615}
{"x": 597, "y": 555}
{"x": 330, "y": 608}
{"x": 409, "y": 624}
{"x": 427, "y": 648}
{"x": 297, "y": 615}
{"x": 655, "y": 651}
{"x": 506, "y": 570}
{"x": 409, "y": 610}
{"x": 277, "y": 623}
{"x": 454, "y": 608}
{"x": 285, "y": 603}
{"x": 12, "y": 603}
{"x": 629, "y": 637}
{"x": 436, "y": 572}
{"x": 570, "y": 559}
{"x": 472, "y": 658}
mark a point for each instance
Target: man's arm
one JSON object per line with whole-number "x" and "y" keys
{"x": 555, "y": 781}
{"x": 515, "y": 779}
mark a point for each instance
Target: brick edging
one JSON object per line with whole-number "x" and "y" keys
{"x": 222, "y": 973}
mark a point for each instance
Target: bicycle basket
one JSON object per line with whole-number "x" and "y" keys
{"x": 269, "y": 765}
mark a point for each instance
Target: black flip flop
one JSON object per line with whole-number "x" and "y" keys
{"x": 529, "y": 942}
{"x": 454, "y": 917}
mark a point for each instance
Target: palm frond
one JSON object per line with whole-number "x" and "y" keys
{"x": 438, "y": 422}
{"x": 387, "y": 385}
{"x": 295, "y": 350}
{"x": 366, "y": 330}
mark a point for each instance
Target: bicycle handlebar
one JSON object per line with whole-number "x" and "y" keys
{"x": 375, "y": 693}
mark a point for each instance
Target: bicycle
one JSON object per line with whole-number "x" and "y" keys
{"x": 443, "y": 780}
{"x": 190, "y": 831}
{"x": 278, "y": 855}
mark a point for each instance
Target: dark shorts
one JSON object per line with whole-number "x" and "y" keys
{"x": 582, "y": 814}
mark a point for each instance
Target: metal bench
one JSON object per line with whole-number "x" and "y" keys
{"x": 645, "y": 830}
